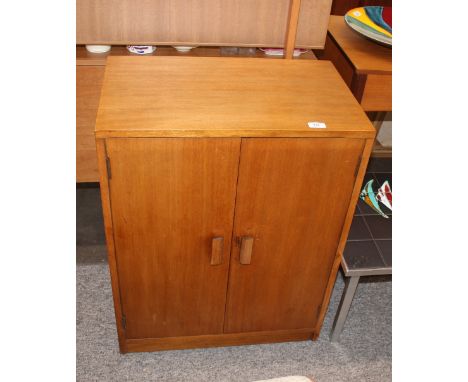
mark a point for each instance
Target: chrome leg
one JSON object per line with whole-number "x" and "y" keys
{"x": 343, "y": 309}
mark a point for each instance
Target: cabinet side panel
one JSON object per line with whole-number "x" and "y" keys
{"x": 107, "y": 213}
{"x": 292, "y": 198}
{"x": 344, "y": 232}
{"x": 172, "y": 201}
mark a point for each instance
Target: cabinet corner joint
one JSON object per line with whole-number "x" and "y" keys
{"x": 358, "y": 166}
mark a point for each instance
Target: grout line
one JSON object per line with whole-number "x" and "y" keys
{"x": 375, "y": 243}
{"x": 375, "y": 179}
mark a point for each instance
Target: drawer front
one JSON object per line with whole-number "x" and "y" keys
{"x": 333, "y": 53}
{"x": 377, "y": 94}
{"x": 88, "y": 89}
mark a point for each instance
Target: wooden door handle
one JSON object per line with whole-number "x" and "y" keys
{"x": 217, "y": 249}
{"x": 246, "y": 250}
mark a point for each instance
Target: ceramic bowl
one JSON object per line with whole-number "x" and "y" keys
{"x": 98, "y": 48}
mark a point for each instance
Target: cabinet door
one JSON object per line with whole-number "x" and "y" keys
{"x": 292, "y": 198}
{"x": 170, "y": 198}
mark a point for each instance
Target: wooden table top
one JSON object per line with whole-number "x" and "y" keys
{"x": 366, "y": 56}
{"x": 226, "y": 97}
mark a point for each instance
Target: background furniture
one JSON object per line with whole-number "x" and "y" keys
{"x": 340, "y": 7}
{"x": 368, "y": 251}
{"x": 365, "y": 66}
{"x": 367, "y": 265}
{"x": 209, "y": 149}
{"x": 261, "y": 23}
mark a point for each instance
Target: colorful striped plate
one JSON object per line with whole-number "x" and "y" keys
{"x": 373, "y": 22}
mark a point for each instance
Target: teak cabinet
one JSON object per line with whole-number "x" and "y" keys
{"x": 225, "y": 217}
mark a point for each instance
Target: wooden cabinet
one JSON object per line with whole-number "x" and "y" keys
{"x": 225, "y": 213}
{"x": 364, "y": 65}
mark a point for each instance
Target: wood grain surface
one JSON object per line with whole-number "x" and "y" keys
{"x": 217, "y": 96}
{"x": 109, "y": 232}
{"x": 292, "y": 198}
{"x": 363, "y": 161}
{"x": 88, "y": 88}
{"x": 365, "y": 55}
{"x": 170, "y": 198}
{"x": 227, "y": 339}
{"x": 291, "y": 30}
{"x": 333, "y": 53}
{"x": 377, "y": 94}
{"x": 189, "y": 22}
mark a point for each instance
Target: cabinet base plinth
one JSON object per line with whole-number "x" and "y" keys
{"x": 215, "y": 340}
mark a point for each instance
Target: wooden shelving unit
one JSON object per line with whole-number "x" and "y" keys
{"x": 83, "y": 57}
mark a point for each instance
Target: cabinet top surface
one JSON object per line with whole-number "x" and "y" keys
{"x": 226, "y": 97}
{"x": 366, "y": 55}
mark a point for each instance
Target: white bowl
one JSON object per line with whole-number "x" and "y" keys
{"x": 98, "y": 48}
{"x": 183, "y": 49}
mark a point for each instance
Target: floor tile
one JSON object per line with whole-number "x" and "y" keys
{"x": 385, "y": 247}
{"x": 362, "y": 254}
{"x": 382, "y": 177}
{"x": 359, "y": 230}
{"x": 380, "y": 227}
{"x": 380, "y": 165}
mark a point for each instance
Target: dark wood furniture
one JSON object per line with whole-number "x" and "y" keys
{"x": 340, "y": 7}
{"x": 225, "y": 213}
{"x": 365, "y": 66}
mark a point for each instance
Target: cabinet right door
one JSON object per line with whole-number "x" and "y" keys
{"x": 292, "y": 198}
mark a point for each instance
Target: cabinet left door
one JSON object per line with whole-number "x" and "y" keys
{"x": 172, "y": 203}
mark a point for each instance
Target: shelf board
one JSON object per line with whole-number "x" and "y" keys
{"x": 83, "y": 57}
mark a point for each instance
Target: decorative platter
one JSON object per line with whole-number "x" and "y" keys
{"x": 373, "y": 22}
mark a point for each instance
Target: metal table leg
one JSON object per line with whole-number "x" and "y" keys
{"x": 343, "y": 309}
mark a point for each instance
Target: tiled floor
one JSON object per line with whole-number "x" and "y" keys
{"x": 370, "y": 236}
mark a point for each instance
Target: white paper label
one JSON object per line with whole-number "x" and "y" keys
{"x": 317, "y": 125}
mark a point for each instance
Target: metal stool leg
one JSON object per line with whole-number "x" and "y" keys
{"x": 343, "y": 309}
